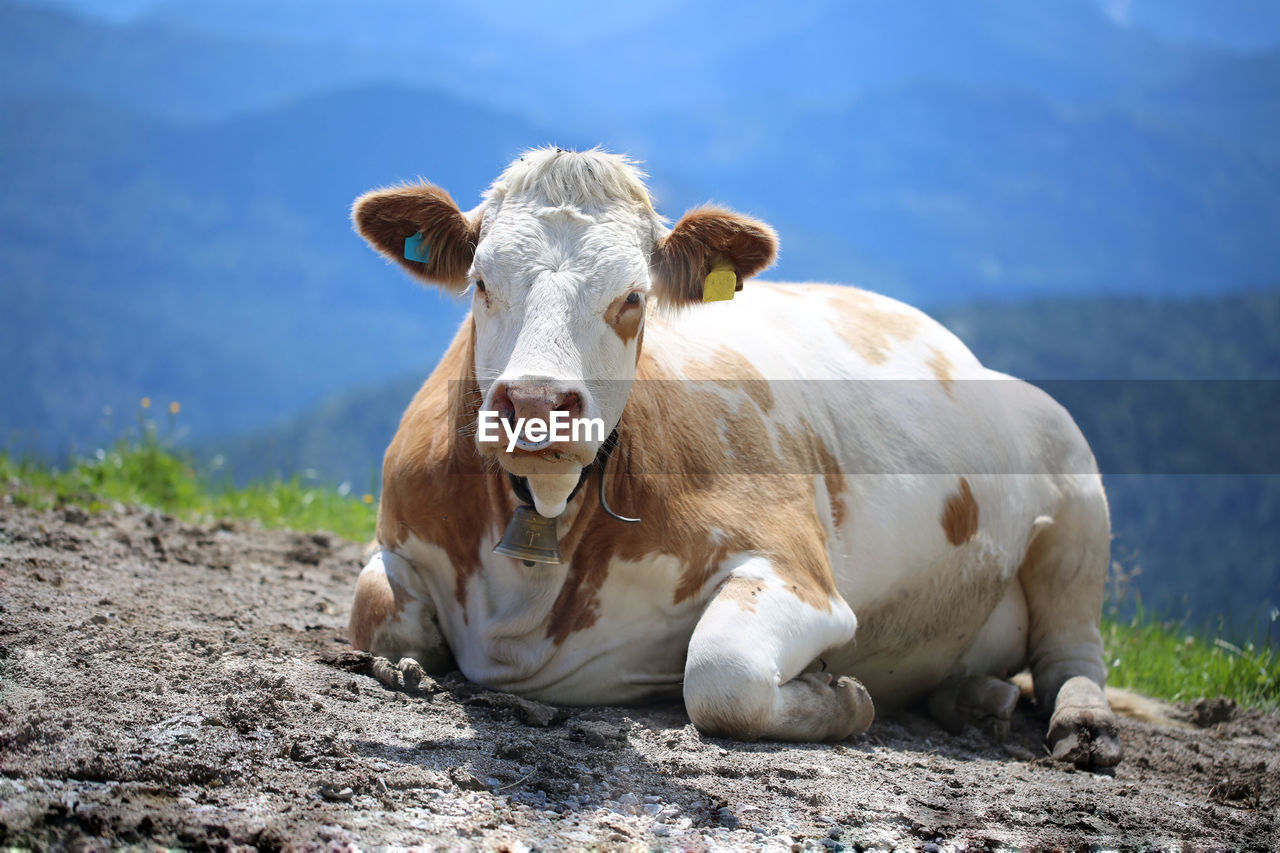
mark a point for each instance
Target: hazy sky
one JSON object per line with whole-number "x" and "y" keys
{"x": 1248, "y": 25}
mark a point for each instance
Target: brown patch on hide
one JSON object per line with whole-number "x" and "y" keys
{"x": 869, "y": 329}
{"x": 730, "y": 369}
{"x": 941, "y": 367}
{"x": 682, "y": 260}
{"x": 378, "y": 601}
{"x": 435, "y": 484}
{"x": 386, "y": 217}
{"x": 960, "y": 515}
{"x": 833, "y": 476}
{"x": 627, "y": 321}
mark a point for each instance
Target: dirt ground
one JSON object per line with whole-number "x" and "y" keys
{"x": 163, "y": 683}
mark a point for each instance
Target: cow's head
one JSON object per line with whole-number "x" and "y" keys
{"x": 560, "y": 259}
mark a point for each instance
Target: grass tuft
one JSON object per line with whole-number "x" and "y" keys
{"x": 144, "y": 470}
{"x": 1167, "y": 660}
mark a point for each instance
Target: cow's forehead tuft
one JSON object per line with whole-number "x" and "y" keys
{"x": 581, "y": 179}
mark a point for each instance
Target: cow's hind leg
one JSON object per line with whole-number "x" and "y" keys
{"x": 744, "y": 676}
{"x": 978, "y": 693}
{"x": 1063, "y": 576}
{"x": 983, "y": 701}
{"x": 391, "y": 620}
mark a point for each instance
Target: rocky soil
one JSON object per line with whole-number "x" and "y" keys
{"x": 164, "y": 683}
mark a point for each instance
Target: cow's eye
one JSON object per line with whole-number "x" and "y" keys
{"x": 480, "y": 285}
{"x": 633, "y": 298}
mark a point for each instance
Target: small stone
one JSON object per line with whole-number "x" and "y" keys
{"x": 336, "y": 796}
{"x": 661, "y": 830}
{"x": 466, "y": 780}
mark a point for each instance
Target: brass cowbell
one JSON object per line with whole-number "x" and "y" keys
{"x": 530, "y": 537}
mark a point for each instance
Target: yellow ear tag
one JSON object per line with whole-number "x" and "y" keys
{"x": 721, "y": 283}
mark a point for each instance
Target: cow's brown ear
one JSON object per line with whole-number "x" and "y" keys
{"x": 416, "y": 221}
{"x": 703, "y": 238}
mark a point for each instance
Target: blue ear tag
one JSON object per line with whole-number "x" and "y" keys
{"x": 415, "y": 249}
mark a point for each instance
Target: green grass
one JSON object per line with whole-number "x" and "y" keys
{"x": 1158, "y": 658}
{"x": 1166, "y": 660}
{"x": 145, "y": 471}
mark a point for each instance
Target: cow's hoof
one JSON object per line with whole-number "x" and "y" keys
{"x": 810, "y": 707}
{"x": 822, "y": 709}
{"x": 387, "y": 672}
{"x": 982, "y": 702}
{"x": 411, "y": 674}
{"x": 840, "y": 708}
{"x": 1082, "y": 729}
{"x": 856, "y": 705}
{"x": 407, "y": 675}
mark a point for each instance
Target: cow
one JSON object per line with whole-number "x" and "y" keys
{"x": 838, "y": 504}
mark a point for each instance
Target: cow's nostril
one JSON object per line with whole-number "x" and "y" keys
{"x": 571, "y": 403}
{"x": 502, "y": 403}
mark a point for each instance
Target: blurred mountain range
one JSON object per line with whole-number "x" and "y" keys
{"x": 177, "y": 175}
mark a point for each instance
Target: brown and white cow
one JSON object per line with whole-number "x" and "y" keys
{"x": 828, "y": 482}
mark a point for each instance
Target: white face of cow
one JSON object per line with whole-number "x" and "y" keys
{"x": 561, "y": 260}
{"x": 559, "y": 285}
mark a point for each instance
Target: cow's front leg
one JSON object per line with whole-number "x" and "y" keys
{"x": 392, "y": 620}
{"x": 745, "y": 673}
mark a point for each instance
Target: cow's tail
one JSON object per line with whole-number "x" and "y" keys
{"x": 1135, "y": 706}
{"x": 1127, "y": 703}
